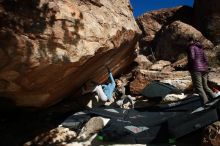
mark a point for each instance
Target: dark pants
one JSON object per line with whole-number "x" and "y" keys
{"x": 199, "y": 80}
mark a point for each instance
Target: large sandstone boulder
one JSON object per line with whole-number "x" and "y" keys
{"x": 174, "y": 38}
{"x": 49, "y": 48}
{"x": 142, "y": 78}
{"x": 151, "y": 23}
{"x": 207, "y": 18}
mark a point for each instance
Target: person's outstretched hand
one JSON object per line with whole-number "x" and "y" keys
{"x": 108, "y": 69}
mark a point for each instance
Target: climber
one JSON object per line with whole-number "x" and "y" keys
{"x": 198, "y": 68}
{"x": 121, "y": 95}
{"x": 104, "y": 92}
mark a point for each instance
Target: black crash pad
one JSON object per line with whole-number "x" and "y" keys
{"x": 157, "y": 90}
{"x": 187, "y": 123}
{"x": 132, "y": 126}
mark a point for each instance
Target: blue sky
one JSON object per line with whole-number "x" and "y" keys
{"x": 142, "y": 6}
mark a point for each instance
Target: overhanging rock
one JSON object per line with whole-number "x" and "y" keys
{"x": 50, "y": 48}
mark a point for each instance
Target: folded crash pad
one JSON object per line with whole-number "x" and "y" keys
{"x": 157, "y": 90}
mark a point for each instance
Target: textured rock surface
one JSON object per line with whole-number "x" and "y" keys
{"x": 53, "y": 137}
{"x": 211, "y": 135}
{"x": 214, "y": 77}
{"x": 183, "y": 83}
{"x": 160, "y": 65}
{"x": 173, "y": 98}
{"x": 207, "y": 18}
{"x": 151, "y": 23}
{"x": 173, "y": 40}
{"x": 144, "y": 77}
{"x": 50, "y": 48}
{"x": 214, "y": 57}
{"x": 94, "y": 125}
{"x": 143, "y": 62}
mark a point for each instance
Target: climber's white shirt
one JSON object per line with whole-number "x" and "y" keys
{"x": 98, "y": 89}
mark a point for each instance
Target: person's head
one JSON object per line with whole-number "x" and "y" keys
{"x": 119, "y": 83}
{"x": 193, "y": 40}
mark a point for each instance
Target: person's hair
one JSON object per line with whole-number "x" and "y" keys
{"x": 192, "y": 40}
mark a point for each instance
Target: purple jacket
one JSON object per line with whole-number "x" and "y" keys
{"x": 197, "y": 60}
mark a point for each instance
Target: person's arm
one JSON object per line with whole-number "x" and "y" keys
{"x": 110, "y": 75}
{"x": 192, "y": 53}
{"x": 206, "y": 62}
{"x": 205, "y": 58}
{"x": 111, "y": 78}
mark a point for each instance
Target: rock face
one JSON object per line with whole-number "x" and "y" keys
{"x": 143, "y": 62}
{"x": 214, "y": 77}
{"x": 211, "y": 136}
{"x": 207, "y": 18}
{"x": 173, "y": 40}
{"x": 144, "y": 78}
{"x": 53, "y": 137}
{"x": 214, "y": 57}
{"x": 160, "y": 65}
{"x": 151, "y": 23}
{"x": 50, "y": 48}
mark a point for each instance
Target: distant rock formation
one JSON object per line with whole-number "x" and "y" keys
{"x": 174, "y": 38}
{"x": 151, "y": 23}
{"x": 49, "y": 48}
{"x": 165, "y": 36}
{"x": 166, "y": 32}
